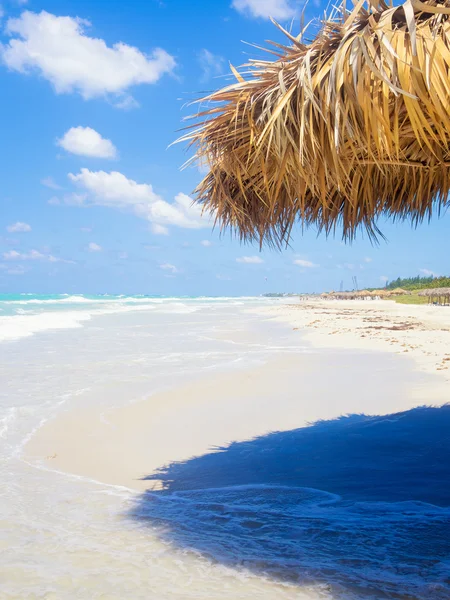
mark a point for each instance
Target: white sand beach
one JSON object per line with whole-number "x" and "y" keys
{"x": 122, "y": 445}
{"x": 420, "y": 331}
{"x": 145, "y": 394}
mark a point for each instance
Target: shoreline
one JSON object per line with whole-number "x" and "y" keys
{"x": 120, "y": 446}
{"x": 421, "y": 332}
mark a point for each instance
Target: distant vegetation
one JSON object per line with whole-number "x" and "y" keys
{"x": 413, "y": 299}
{"x": 418, "y": 283}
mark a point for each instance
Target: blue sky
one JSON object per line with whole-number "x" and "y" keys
{"x": 92, "y": 198}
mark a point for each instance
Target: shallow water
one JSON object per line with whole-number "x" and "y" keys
{"x": 305, "y": 536}
{"x": 382, "y": 530}
{"x": 66, "y": 537}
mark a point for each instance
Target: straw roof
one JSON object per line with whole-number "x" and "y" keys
{"x": 343, "y": 295}
{"x": 335, "y": 132}
{"x": 435, "y": 292}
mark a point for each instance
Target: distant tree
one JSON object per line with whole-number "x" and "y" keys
{"x": 418, "y": 283}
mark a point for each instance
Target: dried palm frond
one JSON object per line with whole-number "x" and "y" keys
{"x": 354, "y": 125}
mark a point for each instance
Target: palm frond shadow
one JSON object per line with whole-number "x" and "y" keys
{"x": 360, "y": 503}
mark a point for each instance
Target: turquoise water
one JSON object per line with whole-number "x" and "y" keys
{"x": 12, "y": 304}
{"x": 22, "y": 315}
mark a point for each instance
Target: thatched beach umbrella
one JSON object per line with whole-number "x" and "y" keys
{"x": 343, "y": 295}
{"x": 380, "y": 293}
{"x": 335, "y": 132}
{"x": 437, "y": 295}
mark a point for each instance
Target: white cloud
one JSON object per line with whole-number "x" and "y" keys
{"x": 50, "y": 183}
{"x": 349, "y": 266}
{"x": 278, "y": 9}
{"x": 33, "y": 255}
{"x": 59, "y": 50}
{"x": 211, "y": 64}
{"x": 85, "y": 141}
{"x": 115, "y": 190}
{"x": 384, "y": 279}
{"x": 206, "y": 243}
{"x": 2, "y": 12}
{"x": 307, "y": 264}
{"x": 223, "y": 277}
{"x": 428, "y": 273}
{"x": 159, "y": 229}
{"x": 16, "y": 270}
{"x": 127, "y": 103}
{"x": 75, "y": 199}
{"x": 18, "y": 227}
{"x": 86, "y": 229}
{"x": 250, "y": 260}
{"x": 122, "y": 255}
{"x": 54, "y": 201}
{"x": 367, "y": 259}
{"x": 93, "y": 247}
{"x": 169, "y": 267}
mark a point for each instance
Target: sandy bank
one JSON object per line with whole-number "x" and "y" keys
{"x": 419, "y": 331}
{"x": 121, "y": 445}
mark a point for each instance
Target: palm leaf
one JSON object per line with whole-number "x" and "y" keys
{"x": 337, "y": 132}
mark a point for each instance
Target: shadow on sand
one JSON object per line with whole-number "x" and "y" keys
{"x": 361, "y": 504}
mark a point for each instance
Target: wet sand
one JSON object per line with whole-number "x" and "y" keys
{"x": 350, "y": 368}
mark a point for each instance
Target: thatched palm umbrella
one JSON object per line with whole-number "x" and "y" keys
{"x": 426, "y": 294}
{"x": 437, "y": 295}
{"x": 343, "y": 295}
{"x": 399, "y": 292}
{"x": 338, "y": 131}
{"x": 381, "y": 293}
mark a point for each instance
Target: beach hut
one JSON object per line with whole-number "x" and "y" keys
{"x": 336, "y": 131}
{"x": 437, "y": 295}
{"x": 343, "y": 295}
{"x": 364, "y": 295}
{"x": 399, "y": 292}
{"x": 378, "y": 294}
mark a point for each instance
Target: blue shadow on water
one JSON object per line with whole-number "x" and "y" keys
{"x": 360, "y": 504}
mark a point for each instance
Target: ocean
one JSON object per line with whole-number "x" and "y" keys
{"x": 253, "y": 520}
{"x": 22, "y": 315}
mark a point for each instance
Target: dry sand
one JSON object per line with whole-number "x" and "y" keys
{"x": 120, "y": 446}
{"x": 419, "y": 331}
